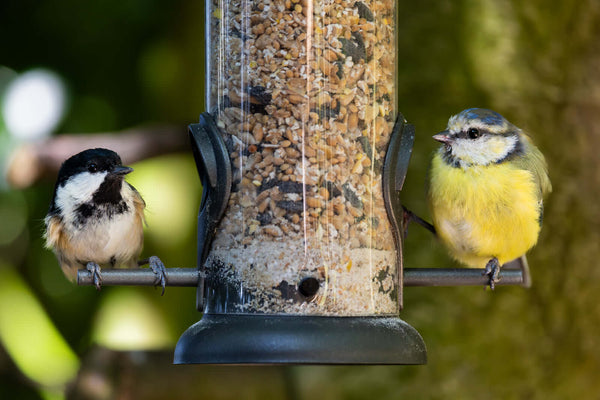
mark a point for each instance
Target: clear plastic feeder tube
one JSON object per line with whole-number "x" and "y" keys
{"x": 305, "y": 95}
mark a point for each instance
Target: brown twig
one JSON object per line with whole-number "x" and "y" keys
{"x": 33, "y": 162}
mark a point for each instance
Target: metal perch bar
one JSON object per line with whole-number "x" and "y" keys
{"x": 412, "y": 277}
{"x": 457, "y": 277}
{"x": 141, "y": 277}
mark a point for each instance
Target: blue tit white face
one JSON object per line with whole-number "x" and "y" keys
{"x": 477, "y": 136}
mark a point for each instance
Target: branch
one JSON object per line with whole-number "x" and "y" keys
{"x": 33, "y": 162}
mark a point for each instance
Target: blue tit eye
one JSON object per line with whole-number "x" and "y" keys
{"x": 473, "y": 133}
{"x": 92, "y": 167}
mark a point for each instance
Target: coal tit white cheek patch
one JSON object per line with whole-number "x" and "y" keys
{"x": 77, "y": 190}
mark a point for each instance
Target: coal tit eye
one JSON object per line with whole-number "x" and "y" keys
{"x": 92, "y": 167}
{"x": 473, "y": 133}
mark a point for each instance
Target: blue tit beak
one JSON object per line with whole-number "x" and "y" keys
{"x": 443, "y": 137}
{"x": 121, "y": 170}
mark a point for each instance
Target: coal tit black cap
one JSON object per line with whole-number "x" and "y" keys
{"x": 92, "y": 161}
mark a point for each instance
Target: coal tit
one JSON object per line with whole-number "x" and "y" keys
{"x": 96, "y": 218}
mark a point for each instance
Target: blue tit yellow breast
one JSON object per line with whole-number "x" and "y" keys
{"x": 483, "y": 212}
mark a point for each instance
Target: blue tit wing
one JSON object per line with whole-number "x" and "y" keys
{"x": 533, "y": 160}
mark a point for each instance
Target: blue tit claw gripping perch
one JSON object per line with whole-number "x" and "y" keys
{"x": 492, "y": 271}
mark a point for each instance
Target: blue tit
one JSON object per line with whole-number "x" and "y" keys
{"x": 486, "y": 188}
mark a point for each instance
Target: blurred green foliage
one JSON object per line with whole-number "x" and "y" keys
{"x": 130, "y": 62}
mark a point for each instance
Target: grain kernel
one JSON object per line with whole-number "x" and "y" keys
{"x": 258, "y": 132}
{"x": 314, "y": 202}
{"x": 352, "y": 121}
{"x": 330, "y": 55}
{"x": 272, "y": 230}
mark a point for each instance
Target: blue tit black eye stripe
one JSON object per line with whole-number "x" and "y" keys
{"x": 517, "y": 151}
{"x": 449, "y": 159}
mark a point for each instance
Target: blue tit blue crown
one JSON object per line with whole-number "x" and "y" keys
{"x": 481, "y": 118}
{"x": 484, "y": 115}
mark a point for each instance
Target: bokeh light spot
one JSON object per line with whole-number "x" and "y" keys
{"x": 34, "y": 104}
{"x": 127, "y": 320}
{"x": 171, "y": 190}
{"x": 30, "y": 337}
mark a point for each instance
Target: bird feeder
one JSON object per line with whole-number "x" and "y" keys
{"x": 299, "y": 254}
{"x": 302, "y": 156}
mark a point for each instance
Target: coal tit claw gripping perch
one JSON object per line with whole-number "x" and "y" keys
{"x": 157, "y": 266}
{"x": 159, "y": 270}
{"x": 95, "y": 272}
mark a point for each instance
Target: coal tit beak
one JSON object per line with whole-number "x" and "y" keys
{"x": 443, "y": 137}
{"x": 121, "y": 170}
